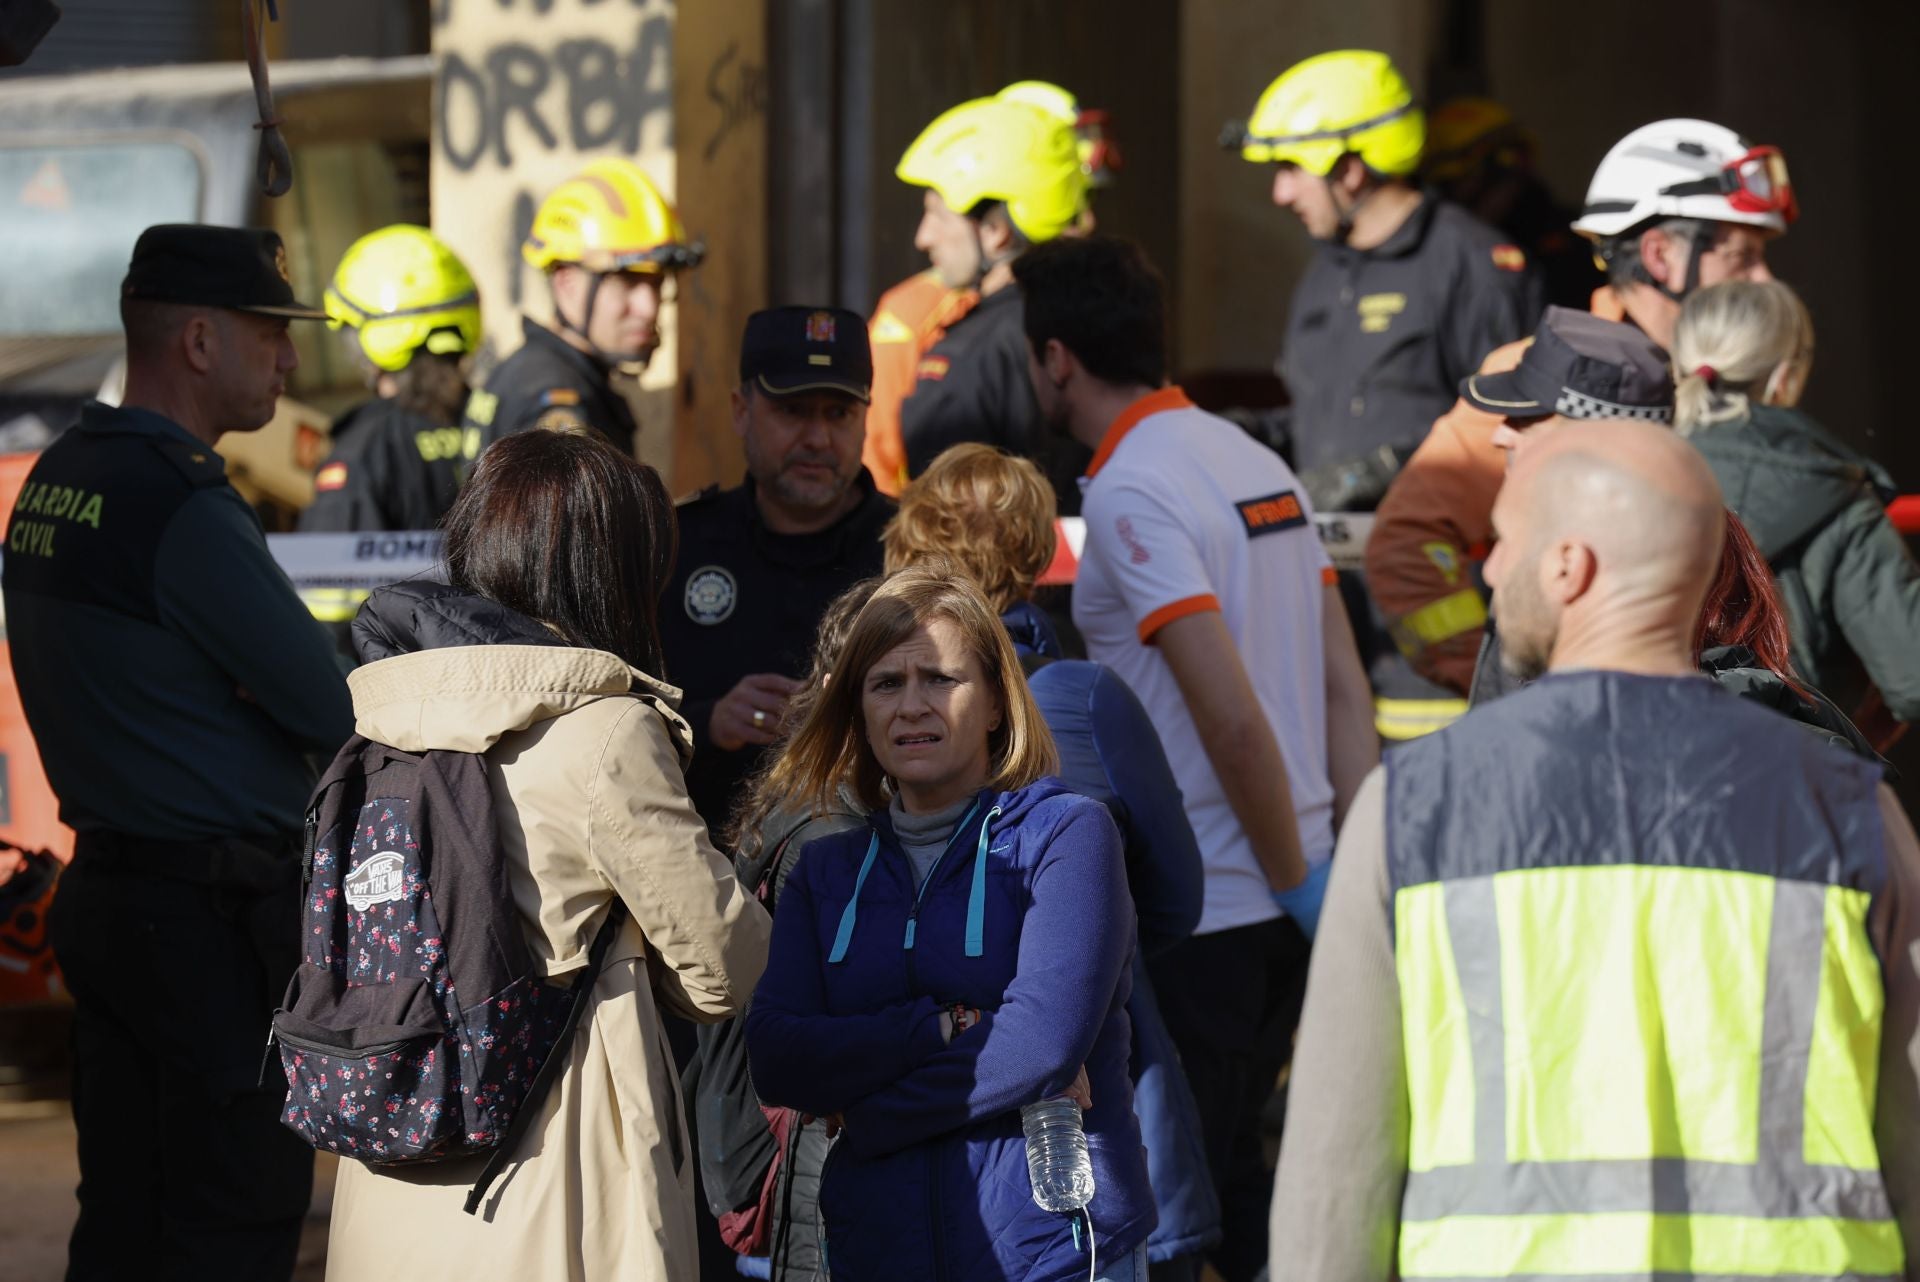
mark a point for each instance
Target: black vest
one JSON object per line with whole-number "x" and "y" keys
{"x": 87, "y": 525}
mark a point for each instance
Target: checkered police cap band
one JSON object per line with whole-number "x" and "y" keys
{"x": 1572, "y": 404}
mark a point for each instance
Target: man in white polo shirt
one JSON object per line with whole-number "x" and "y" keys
{"x": 1204, "y": 585}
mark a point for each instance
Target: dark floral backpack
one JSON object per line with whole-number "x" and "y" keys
{"x": 416, "y": 1028}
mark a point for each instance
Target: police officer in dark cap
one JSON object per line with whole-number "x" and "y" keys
{"x": 1578, "y": 367}
{"x": 178, "y": 691}
{"x": 760, "y": 563}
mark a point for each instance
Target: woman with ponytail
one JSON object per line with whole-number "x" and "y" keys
{"x": 1816, "y": 509}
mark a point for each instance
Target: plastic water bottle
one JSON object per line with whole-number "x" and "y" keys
{"x": 1057, "y": 1161}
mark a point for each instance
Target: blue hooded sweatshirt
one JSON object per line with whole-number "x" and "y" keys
{"x": 1026, "y": 916}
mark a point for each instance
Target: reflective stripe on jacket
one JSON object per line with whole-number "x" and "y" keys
{"x": 1640, "y": 1008}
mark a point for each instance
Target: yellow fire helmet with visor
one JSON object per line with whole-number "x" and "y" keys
{"x": 610, "y": 217}
{"x": 1008, "y": 150}
{"x": 1349, "y": 101}
{"x": 401, "y": 289}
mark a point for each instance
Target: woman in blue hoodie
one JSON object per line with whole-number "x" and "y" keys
{"x": 962, "y": 955}
{"x": 992, "y": 515}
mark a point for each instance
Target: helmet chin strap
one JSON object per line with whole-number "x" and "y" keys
{"x": 612, "y": 360}
{"x": 1698, "y": 247}
{"x": 984, "y": 263}
{"x": 1348, "y": 210}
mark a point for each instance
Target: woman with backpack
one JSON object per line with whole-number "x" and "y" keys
{"x": 541, "y": 655}
{"x": 964, "y": 954}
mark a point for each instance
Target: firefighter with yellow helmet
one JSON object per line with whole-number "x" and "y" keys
{"x": 914, "y": 315}
{"x": 608, "y": 242}
{"x": 1407, "y": 291}
{"x": 414, "y": 316}
{"x": 999, "y": 174}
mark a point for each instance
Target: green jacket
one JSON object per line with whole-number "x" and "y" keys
{"x": 1817, "y": 510}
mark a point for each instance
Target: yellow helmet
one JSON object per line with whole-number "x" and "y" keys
{"x": 610, "y": 217}
{"x": 1465, "y": 134}
{"x": 1044, "y": 94}
{"x": 1005, "y": 150}
{"x": 1099, "y": 154}
{"x": 1353, "y": 100}
{"x": 401, "y": 289}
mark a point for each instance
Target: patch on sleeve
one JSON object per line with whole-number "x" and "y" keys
{"x": 330, "y": 477}
{"x": 1509, "y": 258}
{"x": 888, "y": 328}
{"x": 1445, "y": 558}
{"x": 1272, "y": 513}
{"x": 562, "y": 420}
{"x": 560, "y": 396}
{"x": 934, "y": 367}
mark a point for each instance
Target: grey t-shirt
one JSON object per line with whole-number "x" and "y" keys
{"x": 925, "y": 837}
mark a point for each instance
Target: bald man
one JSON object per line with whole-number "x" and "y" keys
{"x": 1616, "y": 975}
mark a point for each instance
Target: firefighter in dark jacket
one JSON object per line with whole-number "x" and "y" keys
{"x": 1407, "y": 292}
{"x": 1000, "y": 174}
{"x": 608, "y": 242}
{"x": 1816, "y": 508}
{"x": 396, "y": 459}
{"x": 761, "y": 562}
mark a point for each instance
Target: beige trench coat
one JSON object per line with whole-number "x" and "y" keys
{"x": 585, "y": 757}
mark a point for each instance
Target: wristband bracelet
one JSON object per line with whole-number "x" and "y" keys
{"x": 964, "y": 1017}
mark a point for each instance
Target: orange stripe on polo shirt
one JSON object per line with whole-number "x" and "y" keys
{"x": 1167, "y": 398}
{"x": 1166, "y": 614}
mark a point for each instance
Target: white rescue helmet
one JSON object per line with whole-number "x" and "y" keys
{"x": 1687, "y": 169}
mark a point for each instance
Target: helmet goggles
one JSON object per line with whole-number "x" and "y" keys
{"x": 1756, "y": 183}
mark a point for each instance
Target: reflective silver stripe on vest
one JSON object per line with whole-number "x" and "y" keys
{"x": 1473, "y": 925}
{"x": 1783, "y": 1187}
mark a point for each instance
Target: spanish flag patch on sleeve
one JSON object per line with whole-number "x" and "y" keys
{"x": 1509, "y": 258}
{"x": 331, "y": 477}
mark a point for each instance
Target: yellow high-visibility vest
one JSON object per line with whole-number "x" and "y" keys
{"x": 1640, "y": 1008}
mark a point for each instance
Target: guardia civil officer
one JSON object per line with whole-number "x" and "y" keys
{"x": 177, "y": 690}
{"x": 608, "y": 242}
{"x": 760, "y": 563}
{"x": 1406, "y": 292}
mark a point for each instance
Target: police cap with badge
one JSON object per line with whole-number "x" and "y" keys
{"x": 243, "y": 269}
{"x": 1580, "y": 366}
{"x": 790, "y": 350}
{"x": 786, "y": 351}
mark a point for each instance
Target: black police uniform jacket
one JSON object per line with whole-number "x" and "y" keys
{"x": 390, "y": 469}
{"x": 973, "y": 386}
{"x": 550, "y": 383}
{"x": 745, "y": 600}
{"x": 1378, "y": 340}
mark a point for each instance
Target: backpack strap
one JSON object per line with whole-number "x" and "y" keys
{"x": 550, "y": 1069}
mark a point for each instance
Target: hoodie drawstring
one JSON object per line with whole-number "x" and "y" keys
{"x": 976, "y": 941}
{"x": 844, "y": 936}
{"x": 977, "y": 898}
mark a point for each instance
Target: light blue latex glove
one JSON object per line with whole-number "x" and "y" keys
{"x": 1302, "y": 903}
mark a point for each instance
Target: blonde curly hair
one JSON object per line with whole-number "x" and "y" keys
{"x": 984, "y": 511}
